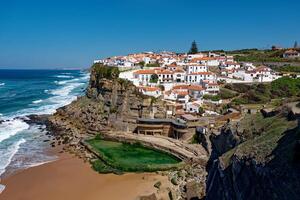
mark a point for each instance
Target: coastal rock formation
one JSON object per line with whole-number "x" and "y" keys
{"x": 264, "y": 165}
{"x": 109, "y": 104}
{"x": 112, "y": 105}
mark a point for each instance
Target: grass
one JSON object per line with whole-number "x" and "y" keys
{"x": 227, "y": 93}
{"x": 270, "y": 131}
{"x": 131, "y": 157}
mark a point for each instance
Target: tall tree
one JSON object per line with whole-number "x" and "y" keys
{"x": 194, "y": 48}
{"x": 296, "y": 44}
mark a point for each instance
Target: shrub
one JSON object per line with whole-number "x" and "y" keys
{"x": 285, "y": 87}
{"x": 154, "y": 78}
{"x": 226, "y": 94}
{"x": 212, "y": 97}
{"x": 103, "y": 71}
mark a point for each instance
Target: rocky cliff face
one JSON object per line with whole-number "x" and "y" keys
{"x": 263, "y": 166}
{"x": 109, "y": 103}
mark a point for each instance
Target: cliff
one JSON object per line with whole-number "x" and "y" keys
{"x": 110, "y": 103}
{"x": 259, "y": 159}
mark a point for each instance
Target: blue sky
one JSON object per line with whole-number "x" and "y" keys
{"x": 65, "y": 33}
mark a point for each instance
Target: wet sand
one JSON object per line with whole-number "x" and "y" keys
{"x": 71, "y": 178}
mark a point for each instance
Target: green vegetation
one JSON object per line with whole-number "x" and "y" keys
{"x": 131, "y": 157}
{"x": 211, "y": 97}
{"x": 227, "y": 93}
{"x": 264, "y": 93}
{"x": 285, "y": 87}
{"x": 154, "y": 78}
{"x": 201, "y": 110}
{"x": 194, "y": 48}
{"x": 142, "y": 63}
{"x": 103, "y": 71}
{"x": 287, "y": 68}
{"x": 156, "y": 64}
{"x": 255, "y": 55}
{"x": 269, "y": 132}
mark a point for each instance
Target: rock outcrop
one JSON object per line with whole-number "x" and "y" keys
{"x": 263, "y": 166}
{"x": 109, "y": 103}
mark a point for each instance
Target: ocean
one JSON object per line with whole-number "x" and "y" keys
{"x": 26, "y": 92}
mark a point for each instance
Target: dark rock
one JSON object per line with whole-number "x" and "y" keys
{"x": 148, "y": 197}
{"x": 157, "y": 184}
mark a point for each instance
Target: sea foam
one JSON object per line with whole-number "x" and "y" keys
{"x": 7, "y": 154}
{"x": 37, "y": 101}
{"x": 64, "y": 76}
{"x": 11, "y": 127}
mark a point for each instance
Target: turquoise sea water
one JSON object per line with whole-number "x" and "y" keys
{"x": 25, "y": 92}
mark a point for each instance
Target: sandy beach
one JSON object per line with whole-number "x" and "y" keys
{"x": 70, "y": 178}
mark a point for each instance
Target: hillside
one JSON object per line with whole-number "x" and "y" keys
{"x": 264, "y": 164}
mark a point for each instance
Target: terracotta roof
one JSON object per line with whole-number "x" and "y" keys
{"x": 213, "y": 84}
{"x": 173, "y": 64}
{"x": 164, "y": 72}
{"x": 145, "y": 71}
{"x": 291, "y": 51}
{"x": 203, "y": 59}
{"x": 178, "y": 70}
{"x": 262, "y": 68}
{"x": 150, "y": 89}
{"x": 176, "y": 87}
{"x": 201, "y": 73}
{"x": 231, "y": 63}
{"x": 182, "y": 93}
{"x": 195, "y": 87}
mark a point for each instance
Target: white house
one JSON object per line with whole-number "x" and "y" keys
{"x": 165, "y": 76}
{"x": 231, "y": 65}
{"x": 143, "y": 76}
{"x": 179, "y": 75}
{"x": 193, "y": 68}
{"x": 259, "y": 74}
{"x": 193, "y": 107}
{"x": 209, "y": 61}
{"x": 150, "y": 91}
{"x": 198, "y": 77}
{"x": 193, "y": 56}
{"x": 211, "y": 88}
{"x": 178, "y": 95}
{"x": 291, "y": 54}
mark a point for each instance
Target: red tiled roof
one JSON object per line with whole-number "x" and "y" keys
{"x": 176, "y": 87}
{"x": 164, "y": 72}
{"x": 201, "y": 73}
{"x": 145, "y": 71}
{"x": 150, "y": 89}
{"x": 195, "y": 87}
{"x": 231, "y": 63}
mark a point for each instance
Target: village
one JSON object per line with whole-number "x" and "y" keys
{"x": 187, "y": 80}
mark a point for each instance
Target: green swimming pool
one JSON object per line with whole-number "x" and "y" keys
{"x": 131, "y": 157}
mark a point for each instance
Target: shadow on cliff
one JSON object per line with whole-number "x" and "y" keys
{"x": 245, "y": 178}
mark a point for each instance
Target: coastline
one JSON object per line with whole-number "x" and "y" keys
{"x": 70, "y": 177}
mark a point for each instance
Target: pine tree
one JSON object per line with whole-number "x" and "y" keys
{"x": 295, "y": 45}
{"x": 194, "y": 48}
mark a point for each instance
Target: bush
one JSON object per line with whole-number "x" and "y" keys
{"x": 240, "y": 100}
{"x": 211, "y": 97}
{"x": 154, "y": 78}
{"x": 156, "y": 64}
{"x": 103, "y": 71}
{"x": 285, "y": 87}
{"x": 227, "y": 94}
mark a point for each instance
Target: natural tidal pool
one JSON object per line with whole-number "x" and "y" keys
{"x": 130, "y": 157}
